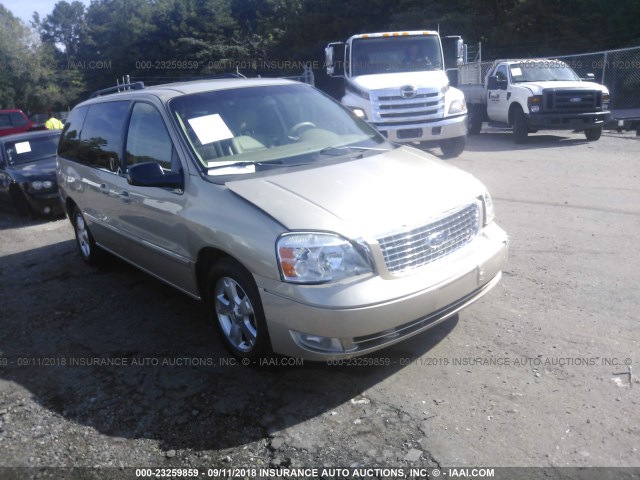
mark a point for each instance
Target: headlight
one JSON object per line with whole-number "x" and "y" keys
{"x": 42, "y": 184}
{"x": 489, "y": 212}
{"x": 457, "y": 106}
{"x": 605, "y": 101}
{"x": 535, "y": 104}
{"x": 308, "y": 257}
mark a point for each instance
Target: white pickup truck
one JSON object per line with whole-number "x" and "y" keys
{"x": 531, "y": 95}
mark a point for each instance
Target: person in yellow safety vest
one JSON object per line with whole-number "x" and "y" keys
{"x": 53, "y": 123}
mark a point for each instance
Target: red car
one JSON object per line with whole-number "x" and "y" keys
{"x": 14, "y": 121}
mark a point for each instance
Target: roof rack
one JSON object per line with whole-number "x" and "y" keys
{"x": 120, "y": 87}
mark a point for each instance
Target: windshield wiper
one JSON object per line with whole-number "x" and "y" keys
{"x": 326, "y": 150}
{"x": 247, "y": 163}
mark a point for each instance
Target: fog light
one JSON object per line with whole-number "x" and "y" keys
{"x": 47, "y": 210}
{"x": 318, "y": 343}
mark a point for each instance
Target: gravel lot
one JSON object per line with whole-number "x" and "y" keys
{"x": 541, "y": 372}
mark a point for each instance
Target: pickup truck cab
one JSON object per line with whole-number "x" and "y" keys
{"x": 531, "y": 95}
{"x": 14, "y": 121}
{"x": 396, "y": 81}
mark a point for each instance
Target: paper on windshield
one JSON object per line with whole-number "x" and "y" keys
{"x": 23, "y": 147}
{"x": 516, "y": 71}
{"x": 210, "y": 128}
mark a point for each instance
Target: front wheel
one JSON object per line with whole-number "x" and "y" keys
{"x": 234, "y": 304}
{"x": 452, "y": 147}
{"x": 593, "y": 134}
{"x": 89, "y": 251}
{"x": 520, "y": 127}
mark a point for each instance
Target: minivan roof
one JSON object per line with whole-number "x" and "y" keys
{"x": 170, "y": 90}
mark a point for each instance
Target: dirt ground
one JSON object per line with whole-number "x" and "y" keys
{"x": 111, "y": 368}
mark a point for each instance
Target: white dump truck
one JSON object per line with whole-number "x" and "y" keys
{"x": 531, "y": 95}
{"x": 397, "y": 82}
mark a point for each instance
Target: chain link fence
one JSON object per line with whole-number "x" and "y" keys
{"x": 619, "y": 70}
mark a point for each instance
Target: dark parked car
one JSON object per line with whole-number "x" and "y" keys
{"x": 28, "y": 173}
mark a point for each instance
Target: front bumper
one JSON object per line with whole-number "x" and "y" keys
{"x": 450, "y": 127}
{"x": 373, "y": 313}
{"x": 564, "y": 121}
{"x": 46, "y": 203}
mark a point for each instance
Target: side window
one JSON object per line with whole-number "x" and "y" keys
{"x": 102, "y": 135}
{"x": 18, "y": 119}
{"x": 148, "y": 139}
{"x": 5, "y": 122}
{"x": 69, "y": 146}
{"x": 502, "y": 72}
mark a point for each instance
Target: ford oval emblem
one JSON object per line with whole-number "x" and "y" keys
{"x": 437, "y": 239}
{"x": 408, "y": 91}
{"x": 575, "y": 99}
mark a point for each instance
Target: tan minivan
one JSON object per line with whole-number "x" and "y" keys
{"x": 304, "y": 230}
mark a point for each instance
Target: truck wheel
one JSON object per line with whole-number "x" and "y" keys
{"x": 593, "y": 134}
{"x": 234, "y": 305}
{"x": 452, "y": 147}
{"x": 520, "y": 128}
{"x": 474, "y": 120}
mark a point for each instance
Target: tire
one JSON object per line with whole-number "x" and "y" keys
{"x": 89, "y": 251}
{"x": 593, "y": 134}
{"x": 234, "y": 305}
{"x": 474, "y": 120}
{"x": 520, "y": 128}
{"x": 452, "y": 147}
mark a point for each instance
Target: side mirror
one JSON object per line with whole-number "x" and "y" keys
{"x": 328, "y": 55}
{"x": 495, "y": 83}
{"x": 151, "y": 174}
{"x": 331, "y": 62}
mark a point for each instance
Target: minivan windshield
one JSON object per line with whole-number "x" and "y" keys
{"x": 280, "y": 124}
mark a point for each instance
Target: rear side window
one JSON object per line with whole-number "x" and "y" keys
{"x": 93, "y": 135}
{"x": 5, "y": 121}
{"x": 70, "y": 146}
{"x": 102, "y": 135}
{"x": 18, "y": 120}
{"x": 148, "y": 139}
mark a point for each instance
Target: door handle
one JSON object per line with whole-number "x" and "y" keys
{"x": 124, "y": 196}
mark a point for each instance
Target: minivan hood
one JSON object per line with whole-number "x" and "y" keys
{"x": 367, "y": 197}
{"x": 436, "y": 78}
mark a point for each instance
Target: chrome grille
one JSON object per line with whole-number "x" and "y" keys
{"x": 390, "y": 107}
{"x": 564, "y": 100}
{"x": 417, "y": 247}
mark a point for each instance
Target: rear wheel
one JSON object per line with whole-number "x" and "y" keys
{"x": 520, "y": 128}
{"x": 452, "y": 147}
{"x": 234, "y": 304}
{"x": 89, "y": 251}
{"x": 593, "y": 134}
